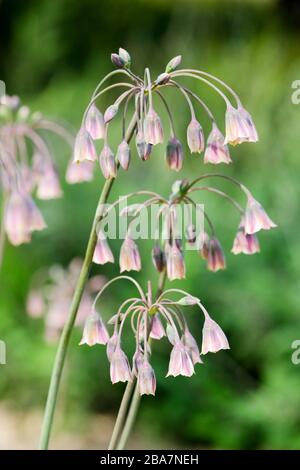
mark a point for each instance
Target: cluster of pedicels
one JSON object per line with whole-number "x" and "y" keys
{"x": 28, "y": 168}
{"x": 153, "y": 319}
{"x": 149, "y": 130}
{"x": 168, "y": 251}
{"x": 51, "y": 292}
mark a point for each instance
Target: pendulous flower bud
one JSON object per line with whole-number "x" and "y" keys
{"x": 215, "y": 256}
{"x": 245, "y": 243}
{"x": 162, "y": 79}
{"x": 79, "y": 172}
{"x": 107, "y": 163}
{"x": 195, "y": 136}
{"x": 174, "y": 154}
{"x": 158, "y": 258}
{"x": 110, "y": 113}
{"x": 123, "y": 155}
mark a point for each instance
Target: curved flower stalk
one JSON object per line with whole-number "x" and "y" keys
{"x": 50, "y": 294}
{"x": 163, "y": 317}
{"x": 27, "y": 168}
{"x": 172, "y": 238}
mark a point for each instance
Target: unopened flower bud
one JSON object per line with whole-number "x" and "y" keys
{"x": 107, "y": 163}
{"x": 195, "y": 136}
{"x": 117, "y": 60}
{"x": 173, "y": 64}
{"x": 110, "y": 113}
{"x": 119, "y": 367}
{"x": 146, "y": 378}
{"x": 157, "y": 329}
{"x": 123, "y": 155}
{"x": 162, "y": 79}
{"x": 125, "y": 57}
{"x": 174, "y": 154}
{"x": 158, "y": 258}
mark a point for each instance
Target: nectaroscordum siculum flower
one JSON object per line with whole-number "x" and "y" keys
{"x": 27, "y": 167}
{"x": 151, "y": 318}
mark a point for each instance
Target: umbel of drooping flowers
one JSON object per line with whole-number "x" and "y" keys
{"x": 27, "y": 167}
{"x": 154, "y": 319}
{"x": 142, "y": 97}
{"x": 178, "y": 232}
{"x": 51, "y": 293}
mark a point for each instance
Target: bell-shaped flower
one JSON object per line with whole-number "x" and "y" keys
{"x": 255, "y": 217}
{"x": 102, "y": 253}
{"x": 191, "y": 346}
{"x": 119, "y": 366}
{"x": 153, "y": 131}
{"x": 180, "y": 361}
{"x": 175, "y": 262}
{"x": 195, "y": 136}
{"x": 215, "y": 255}
{"x": 130, "y": 259}
{"x": 213, "y": 337}
{"x": 245, "y": 243}
{"x": 94, "y": 331}
{"x": 239, "y": 126}
{"x": 216, "y": 150}
{"x": 79, "y": 172}
{"x": 84, "y": 149}
{"x": 22, "y": 218}
{"x": 94, "y": 123}
{"x": 157, "y": 330}
{"x": 48, "y": 186}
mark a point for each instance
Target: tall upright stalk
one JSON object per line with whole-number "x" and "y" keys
{"x": 127, "y": 411}
{"x": 67, "y": 330}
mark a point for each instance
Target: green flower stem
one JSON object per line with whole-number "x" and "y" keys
{"x": 67, "y": 330}
{"x": 133, "y": 408}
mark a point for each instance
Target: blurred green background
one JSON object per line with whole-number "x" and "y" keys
{"x": 52, "y": 56}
